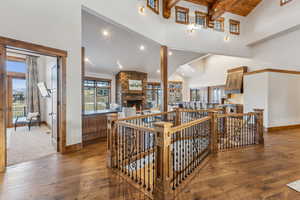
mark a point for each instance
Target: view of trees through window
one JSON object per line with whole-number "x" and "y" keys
{"x": 18, "y": 88}
{"x": 96, "y": 95}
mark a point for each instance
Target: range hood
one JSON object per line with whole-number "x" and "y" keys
{"x": 235, "y": 80}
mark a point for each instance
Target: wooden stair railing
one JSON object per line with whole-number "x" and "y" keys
{"x": 175, "y": 151}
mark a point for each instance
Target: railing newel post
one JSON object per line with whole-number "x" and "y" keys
{"x": 162, "y": 187}
{"x": 178, "y": 116}
{"x": 111, "y": 132}
{"x": 213, "y": 131}
{"x": 260, "y": 123}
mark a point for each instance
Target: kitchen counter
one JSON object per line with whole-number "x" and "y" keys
{"x": 101, "y": 112}
{"x": 94, "y": 125}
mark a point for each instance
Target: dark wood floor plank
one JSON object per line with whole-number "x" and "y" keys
{"x": 256, "y": 173}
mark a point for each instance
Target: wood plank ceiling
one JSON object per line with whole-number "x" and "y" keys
{"x": 217, "y": 8}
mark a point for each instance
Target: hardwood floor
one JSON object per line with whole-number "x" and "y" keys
{"x": 254, "y": 174}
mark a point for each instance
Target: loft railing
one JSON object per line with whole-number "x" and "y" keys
{"x": 159, "y": 157}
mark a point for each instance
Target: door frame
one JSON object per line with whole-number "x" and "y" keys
{"x": 61, "y": 104}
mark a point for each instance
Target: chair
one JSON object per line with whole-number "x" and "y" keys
{"x": 30, "y": 119}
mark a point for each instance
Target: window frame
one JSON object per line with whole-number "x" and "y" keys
{"x": 156, "y": 9}
{"x": 237, "y": 23}
{"x": 203, "y": 15}
{"x": 183, "y": 10}
{"x": 282, "y": 3}
{"x": 221, "y": 20}
{"x": 95, "y": 87}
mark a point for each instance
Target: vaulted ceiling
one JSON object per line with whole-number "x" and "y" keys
{"x": 217, "y": 8}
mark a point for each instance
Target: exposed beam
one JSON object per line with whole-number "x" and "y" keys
{"x": 3, "y": 108}
{"x": 164, "y": 76}
{"x": 167, "y": 6}
{"x": 219, "y": 7}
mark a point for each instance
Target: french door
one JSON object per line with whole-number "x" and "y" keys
{"x": 16, "y": 98}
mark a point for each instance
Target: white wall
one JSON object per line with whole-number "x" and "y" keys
{"x": 281, "y": 51}
{"x": 256, "y": 94}
{"x": 167, "y": 31}
{"x": 212, "y": 70}
{"x": 284, "y": 98}
{"x": 269, "y": 19}
{"x": 277, "y": 94}
{"x": 57, "y": 24}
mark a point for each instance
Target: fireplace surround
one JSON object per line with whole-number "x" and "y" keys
{"x": 131, "y": 98}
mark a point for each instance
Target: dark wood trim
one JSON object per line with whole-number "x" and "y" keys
{"x": 19, "y": 75}
{"x": 73, "y": 148}
{"x": 32, "y": 47}
{"x": 221, "y": 20}
{"x": 237, "y": 23}
{"x": 3, "y": 106}
{"x": 62, "y": 61}
{"x": 15, "y": 59}
{"x": 164, "y": 76}
{"x": 82, "y": 77}
{"x": 201, "y": 14}
{"x": 96, "y": 79}
{"x": 156, "y": 9}
{"x": 273, "y": 70}
{"x": 281, "y": 128}
{"x": 184, "y": 10}
{"x": 244, "y": 69}
{"x": 62, "y": 105}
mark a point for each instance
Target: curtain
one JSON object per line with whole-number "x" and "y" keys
{"x": 32, "y": 92}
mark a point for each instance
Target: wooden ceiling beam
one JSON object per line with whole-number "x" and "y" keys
{"x": 167, "y": 6}
{"x": 219, "y": 7}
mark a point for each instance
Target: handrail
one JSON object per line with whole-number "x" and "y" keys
{"x": 129, "y": 125}
{"x": 235, "y": 115}
{"x": 201, "y": 110}
{"x": 189, "y": 124}
{"x": 143, "y": 116}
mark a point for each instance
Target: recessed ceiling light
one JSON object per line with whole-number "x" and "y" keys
{"x": 142, "y": 10}
{"x": 158, "y": 71}
{"x": 170, "y": 53}
{"x": 87, "y": 60}
{"x": 105, "y": 33}
{"x": 142, "y": 47}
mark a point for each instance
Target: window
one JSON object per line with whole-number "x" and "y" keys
{"x": 182, "y": 15}
{"x": 96, "y": 94}
{"x": 153, "y": 5}
{"x": 201, "y": 19}
{"x": 283, "y": 2}
{"x": 199, "y": 94}
{"x": 153, "y": 95}
{"x": 219, "y": 24}
{"x": 16, "y": 69}
{"x": 234, "y": 27}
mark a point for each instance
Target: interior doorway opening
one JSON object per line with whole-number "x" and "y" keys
{"x": 32, "y": 81}
{"x": 59, "y": 135}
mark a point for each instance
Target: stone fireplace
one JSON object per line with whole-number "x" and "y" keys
{"x": 128, "y": 97}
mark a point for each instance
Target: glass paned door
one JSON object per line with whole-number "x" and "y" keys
{"x": 18, "y": 98}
